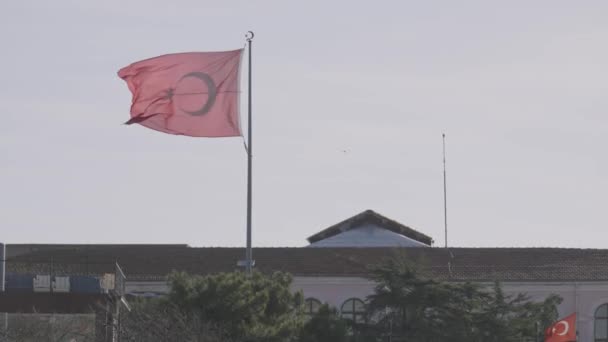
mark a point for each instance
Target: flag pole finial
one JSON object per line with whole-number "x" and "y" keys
{"x": 249, "y": 36}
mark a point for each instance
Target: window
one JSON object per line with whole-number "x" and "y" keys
{"x": 601, "y": 324}
{"x": 353, "y": 309}
{"x": 311, "y": 306}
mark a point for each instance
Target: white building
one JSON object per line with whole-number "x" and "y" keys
{"x": 334, "y": 266}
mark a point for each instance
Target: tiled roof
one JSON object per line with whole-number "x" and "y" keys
{"x": 370, "y": 216}
{"x": 26, "y": 248}
{"x": 475, "y": 264}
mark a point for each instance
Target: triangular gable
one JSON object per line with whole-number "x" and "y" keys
{"x": 371, "y": 217}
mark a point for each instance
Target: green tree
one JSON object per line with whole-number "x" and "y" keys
{"x": 257, "y": 308}
{"x": 325, "y": 326}
{"x": 409, "y": 306}
{"x": 515, "y": 317}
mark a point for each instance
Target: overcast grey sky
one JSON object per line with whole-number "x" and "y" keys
{"x": 350, "y": 100}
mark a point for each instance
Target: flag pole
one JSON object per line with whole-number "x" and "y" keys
{"x": 445, "y": 196}
{"x": 249, "y": 255}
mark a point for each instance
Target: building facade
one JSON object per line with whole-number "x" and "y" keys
{"x": 334, "y": 267}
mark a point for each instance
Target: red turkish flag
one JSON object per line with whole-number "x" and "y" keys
{"x": 562, "y": 331}
{"x": 194, "y": 94}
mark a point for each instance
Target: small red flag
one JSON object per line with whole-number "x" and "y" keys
{"x": 562, "y": 331}
{"x": 194, "y": 94}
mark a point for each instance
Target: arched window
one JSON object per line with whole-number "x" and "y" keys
{"x": 353, "y": 309}
{"x": 601, "y": 324}
{"x": 311, "y": 306}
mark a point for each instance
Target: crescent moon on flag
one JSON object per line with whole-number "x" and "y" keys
{"x": 211, "y": 95}
{"x": 566, "y": 327}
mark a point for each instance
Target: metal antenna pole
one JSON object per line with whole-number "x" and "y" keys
{"x": 445, "y": 196}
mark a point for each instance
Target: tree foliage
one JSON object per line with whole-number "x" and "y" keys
{"x": 417, "y": 309}
{"x": 257, "y": 308}
{"x": 325, "y": 326}
{"x": 405, "y": 306}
